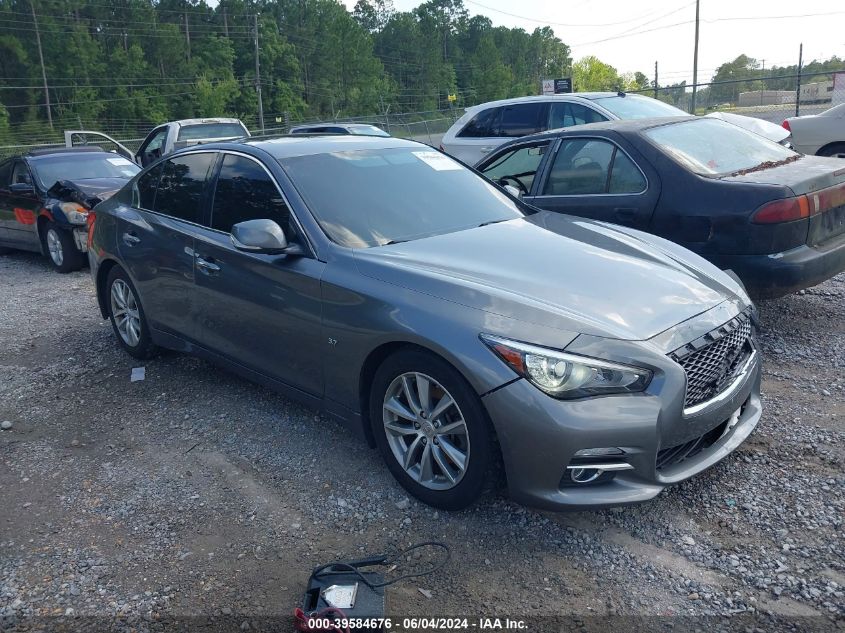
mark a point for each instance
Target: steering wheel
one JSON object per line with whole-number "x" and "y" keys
{"x": 506, "y": 180}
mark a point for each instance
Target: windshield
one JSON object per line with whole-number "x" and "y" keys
{"x": 210, "y": 130}
{"x": 367, "y": 130}
{"x": 373, "y": 197}
{"x": 634, "y": 107}
{"x": 82, "y": 166}
{"x": 710, "y": 146}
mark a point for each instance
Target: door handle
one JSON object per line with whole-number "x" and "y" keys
{"x": 130, "y": 239}
{"x": 206, "y": 266}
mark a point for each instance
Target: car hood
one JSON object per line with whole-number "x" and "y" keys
{"x": 766, "y": 129}
{"x": 86, "y": 191}
{"x": 561, "y": 272}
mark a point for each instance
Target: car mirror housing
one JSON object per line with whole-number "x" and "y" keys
{"x": 516, "y": 193}
{"x": 261, "y": 236}
{"x": 21, "y": 188}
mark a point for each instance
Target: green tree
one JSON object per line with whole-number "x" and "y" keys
{"x": 590, "y": 73}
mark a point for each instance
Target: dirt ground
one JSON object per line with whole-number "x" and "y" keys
{"x": 194, "y": 493}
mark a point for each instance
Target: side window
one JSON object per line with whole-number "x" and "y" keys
{"x": 625, "y": 176}
{"x": 581, "y": 167}
{"x": 522, "y": 119}
{"x": 566, "y": 114}
{"x": 156, "y": 141}
{"x": 144, "y": 189}
{"x": 181, "y": 186}
{"x": 20, "y": 174}
{"x": 483, "y": 124}
{"x": 517, "y": 167}
{"x": 246, "y": 192}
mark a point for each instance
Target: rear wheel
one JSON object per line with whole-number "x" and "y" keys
{"x": 835, "y": 149}
{"x": 127, "y": 316}
{"x": 61, "y": 249}
{"x": 431, "y": 429}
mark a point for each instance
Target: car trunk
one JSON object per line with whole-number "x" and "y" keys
{"x": 817, "y": 186}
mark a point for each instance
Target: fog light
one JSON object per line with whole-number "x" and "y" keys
{"x": 593, "y": 452}
{"x": 584, "y": 475}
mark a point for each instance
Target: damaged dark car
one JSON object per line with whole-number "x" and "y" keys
{"x": 46, "y": 196}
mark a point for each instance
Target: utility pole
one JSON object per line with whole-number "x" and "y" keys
{"x": 187, "y": 34}
{"x": 761, "y": 82}
{"x": 655, "y": 80}
{"x": 798, "y": 88}
{"x": 225, "y": 22}
{"x": 43, "y": 71}
{"x": 695, "y": 60}
{"x": 258, "y": 78}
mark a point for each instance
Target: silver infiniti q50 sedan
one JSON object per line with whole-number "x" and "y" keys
{"x": 460, "y": 331}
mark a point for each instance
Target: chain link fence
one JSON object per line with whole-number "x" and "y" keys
{"x": 426, "y": 127}
{"x": 773, "y": 98}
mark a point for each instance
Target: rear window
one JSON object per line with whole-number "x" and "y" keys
{"x": 710, "y": 146}
{"x": 210, "y": 130}
{"x": 367, "y": 130}
{"x": 634, "y": 107}
{"x": 81, "y": 166}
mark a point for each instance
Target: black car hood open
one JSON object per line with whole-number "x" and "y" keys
{"x": 561, "y": 272}
{"x": 88, "y": 192}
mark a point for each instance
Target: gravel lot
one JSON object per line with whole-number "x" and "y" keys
{"x": 196, "y": 493}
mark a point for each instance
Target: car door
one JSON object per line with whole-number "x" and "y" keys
{"x": 6, "y": 206}
{"x": 153, "y": 146}
{"x": 156, "y": 238}
{"x": 260, "y": 311}
{"x": 21, "y": 208}
{"x": 595, "y": 177}
{"x": 517, "y": 165}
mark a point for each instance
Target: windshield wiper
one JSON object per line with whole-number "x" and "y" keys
{"x": 493, "y": 222}
{"x": 392, "y": 242}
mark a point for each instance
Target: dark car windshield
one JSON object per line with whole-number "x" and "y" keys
{"x": 634, "y": 107}
{"x": 81, "y": 166}
{"x": 710, "y": 146}
{"x": 201, "y": 131}
{"x": 373, "y": 197}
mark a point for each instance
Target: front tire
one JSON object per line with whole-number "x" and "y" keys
{"x": 127, "y": 315}
{"x": 61, "y": 249}
{"x": 431, "y": 429}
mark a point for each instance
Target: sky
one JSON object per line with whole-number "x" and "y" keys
{"x": 631, "y": 35}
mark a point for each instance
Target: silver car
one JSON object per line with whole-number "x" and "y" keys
{"x": 460, "y": 331}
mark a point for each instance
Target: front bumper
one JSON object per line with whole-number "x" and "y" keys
{"x": 778, "y": 274}
{"x": 539, "y": 437}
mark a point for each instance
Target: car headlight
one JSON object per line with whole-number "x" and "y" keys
{"x": 75, "y": 213}
{"x": 567, "y": 376}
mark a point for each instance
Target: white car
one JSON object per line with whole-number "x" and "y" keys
{"x": 821, "y": 134}
{"x": 761, "y": 127}
{"x": 484, "y": 127}
{"x": 168, "y": 137}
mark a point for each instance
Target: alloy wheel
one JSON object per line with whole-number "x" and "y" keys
{"x": 54, "y": 246}
{"x": 124, "y": 309}
{"x": 426, "y": 431}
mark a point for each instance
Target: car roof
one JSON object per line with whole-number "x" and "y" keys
{"x": 568, "y": 96}
{"x": 305, "y": 144}
{"x": 52, "y": 151}
{"x": 206, "y": 120}
{"x": 623, "y": 125}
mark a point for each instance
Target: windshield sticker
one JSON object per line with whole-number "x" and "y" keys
{"x": 119, "y": 161}
{"x": 437, "y": 161}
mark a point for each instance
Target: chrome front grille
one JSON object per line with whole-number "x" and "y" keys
{"x": 712, "y": 361}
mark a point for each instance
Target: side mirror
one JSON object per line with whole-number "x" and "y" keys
{"x": 21, "y": 188}
{"x": 262, "y": 236}
{"x": 516, "y": 193}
